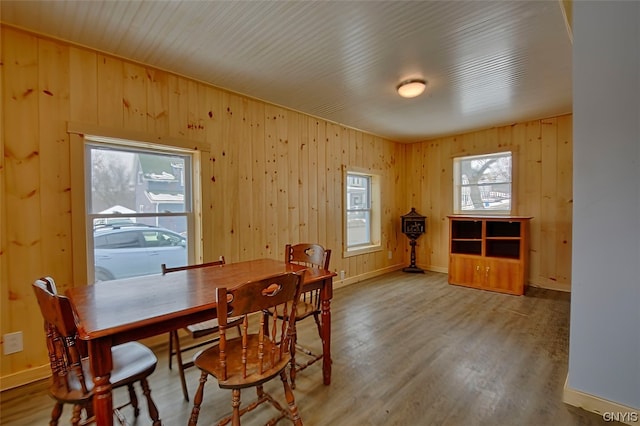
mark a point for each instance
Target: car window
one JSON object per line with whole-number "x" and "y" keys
{"x": 160, "y": 239}
{"x": 174, "y": 240}
{"x": 118, "y": 240}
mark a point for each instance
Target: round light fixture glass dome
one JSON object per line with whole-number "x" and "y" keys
{"x": 411, "y": 88}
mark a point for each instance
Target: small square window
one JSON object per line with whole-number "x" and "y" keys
{"x": 482, "y": 184}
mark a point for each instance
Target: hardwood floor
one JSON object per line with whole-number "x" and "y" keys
{"x": 408, "y": 349}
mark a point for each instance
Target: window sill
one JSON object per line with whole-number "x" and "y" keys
{"x": 483, "y": 213}
{"x": 362, "y": 250}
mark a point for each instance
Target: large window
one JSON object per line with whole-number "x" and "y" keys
{"x": 482, "y": 183}
{"x": 140, "y": 212}
{"x": 362, "y": 230}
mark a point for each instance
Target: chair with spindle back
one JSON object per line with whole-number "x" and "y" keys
{"x": 71, "y": 380}
{"x": 194, "y": 331}
{"x": 313, "y": 256}
{"x": 262, "y": 351}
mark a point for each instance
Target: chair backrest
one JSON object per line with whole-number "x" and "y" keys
{"x": 265, "y": 349}
{"x": 166, "y": 269}
{"x": 56, "y": 309}
{"x": 308, "y": 254}
{"x": 65, "y": 351}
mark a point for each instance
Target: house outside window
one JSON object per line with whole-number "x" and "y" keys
{"x": 140, "y": 214}
{"x": 482, "y": 184}
{"x": 362, "y": 213}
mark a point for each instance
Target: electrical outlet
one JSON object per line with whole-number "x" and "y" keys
{"x": 390, "y": 254}
{"x": 12, "y": 342}
{"x": 342, "y": 275}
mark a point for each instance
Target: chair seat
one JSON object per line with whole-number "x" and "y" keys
{"x": 209, "y": 360}
{"x": 130, "y": 360}
{"x": 204, "y": 328}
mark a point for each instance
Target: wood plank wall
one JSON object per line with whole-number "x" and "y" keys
{"x": 276, "y": 176}
{"x": 542, "y": 170}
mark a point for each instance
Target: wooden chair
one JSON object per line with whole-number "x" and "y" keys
{"x": 261, "y": 353}
{"x": 71, "y": 380}
{"x": 313, "y": 256}
{"x": 195, "y": 331}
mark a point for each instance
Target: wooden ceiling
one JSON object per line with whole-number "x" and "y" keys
{"x": 487, "y": 63}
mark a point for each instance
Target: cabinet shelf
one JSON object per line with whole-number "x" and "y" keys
{"x": 503, "y": 228}
{"x": 503, "y": 238}
{"x": 503, "y": 248}
{"x": 466, "y": 246}
{"x": 467, "y": 230}
{"x": 489, "y": 253}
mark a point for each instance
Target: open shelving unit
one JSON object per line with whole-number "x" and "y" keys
{"x": 489, "y": 252}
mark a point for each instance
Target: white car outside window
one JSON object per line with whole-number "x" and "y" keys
{"x": 129, "y": 251}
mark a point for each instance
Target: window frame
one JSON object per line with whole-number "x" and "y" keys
{"x": 374, "y": 211}
{"x": 458, "y": 186}
{"x": 135, "y": 147}
{"x": 79, "y": 133}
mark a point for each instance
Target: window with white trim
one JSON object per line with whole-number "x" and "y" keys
{"x": 140, "y": 208}
{"x": 482, "y": 184}
{"x": 362, "y": 212}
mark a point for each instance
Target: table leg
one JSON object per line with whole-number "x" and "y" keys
{"x": 326, "y": 294}
{"x": 101, "y": 365}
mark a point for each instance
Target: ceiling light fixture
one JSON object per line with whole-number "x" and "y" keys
{"x": 411, "y": 88}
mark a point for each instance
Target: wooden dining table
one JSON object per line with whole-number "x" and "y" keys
{"x": 113, "y": 312}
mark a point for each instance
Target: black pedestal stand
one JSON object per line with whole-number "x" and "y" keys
{"x": 413, "y": 225}
{"x": 412, "y": 267}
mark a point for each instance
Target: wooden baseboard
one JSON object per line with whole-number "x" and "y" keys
{"x": 435, "y": 269}
{"x": 550, "y": 285}
{"x": 609, "y": 410}
{"x": 24, "y": 377}
{"x": 337, "y": 283}
{"x": 356, "y": 279}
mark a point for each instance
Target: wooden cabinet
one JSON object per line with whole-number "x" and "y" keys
{"x": 489, "y": 253}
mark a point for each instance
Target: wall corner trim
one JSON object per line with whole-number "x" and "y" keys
{"x": 598, "y": 405}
